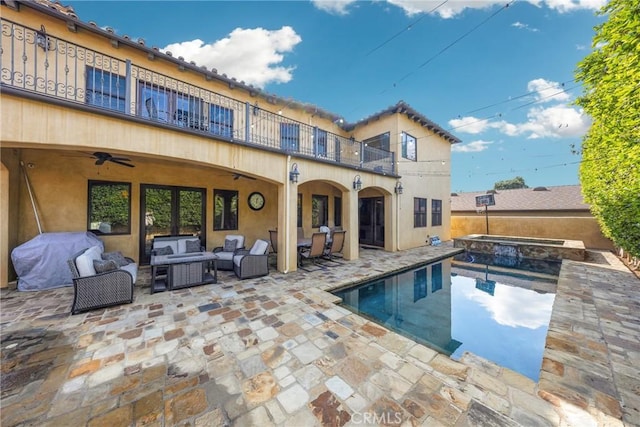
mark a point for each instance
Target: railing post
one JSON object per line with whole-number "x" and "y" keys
{"x": 362, "y": 147}
{"x": 127, "y": 84}
{"x": 247, "y": 122}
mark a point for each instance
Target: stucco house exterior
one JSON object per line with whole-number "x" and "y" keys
{"x": 555, "y": 212}
{"x": 101, "y": 132}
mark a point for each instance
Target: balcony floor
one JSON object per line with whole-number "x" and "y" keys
{"x": 277, "y": 351}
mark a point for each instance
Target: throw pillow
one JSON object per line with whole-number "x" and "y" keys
{"x": 193, "y": 245}
{"x": 229, "y": 245}
{"x": 119, "y": 259}
{"x": 102, "y": 266}
{"x": 165, "y": 250}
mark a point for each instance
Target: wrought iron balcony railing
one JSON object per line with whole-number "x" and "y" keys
{"x": 36, "y": 62}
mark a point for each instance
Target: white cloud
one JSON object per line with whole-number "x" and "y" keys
{"x": 249, "y": 55}
{"x": 560, "y": 121}
{"x": 545, "y": 90}
{"x": 523, "y": 26}
{"x": 469, "y": 124}
{"x": 447, "y": 10}
{"x": 564, "y": 6}
{"x": 334, "y": 7}
{"x": 471, "y": 147}
{"x": 452, "y": 8}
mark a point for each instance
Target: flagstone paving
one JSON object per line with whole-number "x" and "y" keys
{"x": 277, "y": 351}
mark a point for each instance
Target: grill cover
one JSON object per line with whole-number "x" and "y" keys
{"x": 41, "y": 263}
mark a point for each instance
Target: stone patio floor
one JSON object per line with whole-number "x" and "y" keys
{"x": 277, "y": 351}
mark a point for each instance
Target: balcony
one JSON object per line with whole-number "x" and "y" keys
{"x": 55, "y": 70}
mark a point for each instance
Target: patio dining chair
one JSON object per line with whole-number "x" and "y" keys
{"x": 314, "y": 252}
{"x": 335, "y": 247}
{"x": 273, "y": 238}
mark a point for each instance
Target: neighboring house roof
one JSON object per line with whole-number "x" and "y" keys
{"x": 74, "y": 22}
{"x": 560, "y": 198}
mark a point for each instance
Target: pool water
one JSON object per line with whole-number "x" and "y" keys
{"x": 454, "y": 306}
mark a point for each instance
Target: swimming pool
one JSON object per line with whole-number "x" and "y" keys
{"x": 454, "y": 306}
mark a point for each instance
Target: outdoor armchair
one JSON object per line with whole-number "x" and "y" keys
{"x": 253, "y": 262}
{"x": 225, "y": 253}
{"x": 94, "y": 290}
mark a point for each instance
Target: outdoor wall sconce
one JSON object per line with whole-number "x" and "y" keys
{"x": 41, "y": 38}
{"x": 294, "y": 174}
{"x": 357, "y": 183}
{"x": 399, "y": 188}
{"x": 256, "y": 109}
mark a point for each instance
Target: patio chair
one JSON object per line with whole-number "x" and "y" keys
{"x": 93, "y": 290}
{"x": 273, "y": 238}
{"x": 335, "y": 247}
{"x": 225, "y": 253}
{"x": 253, "y": 262}
{"x": 315, "y": 251}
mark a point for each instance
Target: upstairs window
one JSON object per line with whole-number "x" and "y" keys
{"x": 408, "y": 147}
{"x": 290, "y": 136}
{"x": 380, "y": 141}
{"x": 105, "y": 89}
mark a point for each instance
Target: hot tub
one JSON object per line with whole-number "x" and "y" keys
{"x": 522, "y": 247}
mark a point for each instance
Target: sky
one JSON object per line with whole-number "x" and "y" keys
{"x": 500, "y": 76}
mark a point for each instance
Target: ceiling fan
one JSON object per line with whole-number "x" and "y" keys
{"x": 102, "y": 157}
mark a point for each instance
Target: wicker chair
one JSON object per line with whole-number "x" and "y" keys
{"x": 225, "y": 254}
{"x": 101, "y": 290}
{"x": 252, "y": 263}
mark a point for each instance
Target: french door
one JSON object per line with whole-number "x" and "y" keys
{"x": 371, "y": 221}
{"x": 168, "y": 210}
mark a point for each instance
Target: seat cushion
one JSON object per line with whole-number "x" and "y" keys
{"x": 132, "y": 268}
{"x": 239, "y": 238}
{"x": 259, "y": 247}
{"x": 237, "y": 259}
{"x": 84, "y": 262}
{"x": 224, "y": 256}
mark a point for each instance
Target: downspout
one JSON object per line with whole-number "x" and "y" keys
{"x": 33, "y": 203}
{"x": 398, "y": 221}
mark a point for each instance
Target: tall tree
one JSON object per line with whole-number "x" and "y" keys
{"x": 508, "y": 184}
{"x": 610, "y": 168}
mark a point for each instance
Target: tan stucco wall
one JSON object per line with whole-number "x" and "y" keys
{"x": 583, "y": 227}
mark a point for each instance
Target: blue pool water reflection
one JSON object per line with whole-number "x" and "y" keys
{"x": 453, "y": 307}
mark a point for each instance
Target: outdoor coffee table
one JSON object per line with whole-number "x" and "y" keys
{"x": 183, "y": 270}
